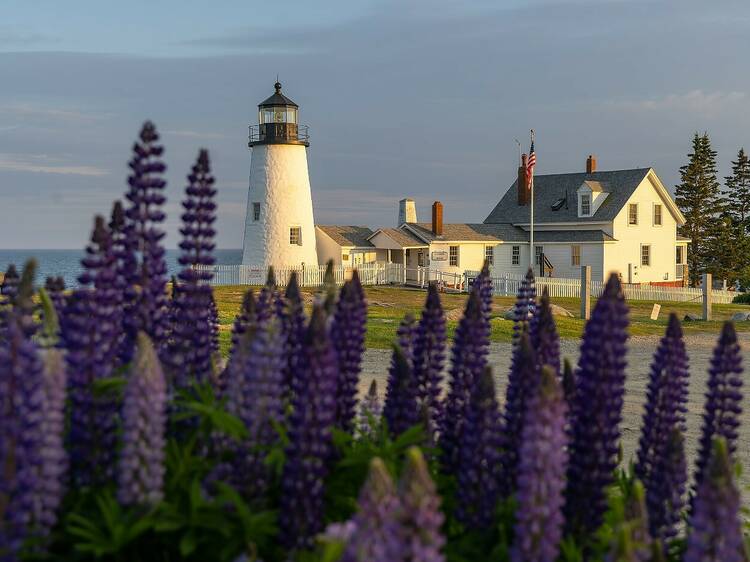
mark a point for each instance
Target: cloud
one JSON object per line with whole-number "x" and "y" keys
{"x": 35, "y": 110}
{"x": 694, "y": 101}
{"x": 195, "y": 134}
{"x": 43, "y": 164}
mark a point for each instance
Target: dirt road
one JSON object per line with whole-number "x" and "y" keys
{"x": 641, "y": 349}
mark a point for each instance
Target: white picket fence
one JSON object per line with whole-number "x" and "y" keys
{"x": 369, "y": 274}
{"x": 508, "y": 284}
{"x": 503, "y": 284}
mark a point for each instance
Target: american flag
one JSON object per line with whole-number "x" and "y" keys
{"x": 531, "y": 162}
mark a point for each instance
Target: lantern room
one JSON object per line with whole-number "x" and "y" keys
{"x": 278, "y": 122}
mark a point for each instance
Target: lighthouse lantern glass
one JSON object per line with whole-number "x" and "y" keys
{"x": 277, "y": 114}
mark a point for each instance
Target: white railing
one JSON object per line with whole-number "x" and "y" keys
{"x": 369, "y": 274}
{"x": 508, "y": 284}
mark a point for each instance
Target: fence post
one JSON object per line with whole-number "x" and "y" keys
{"x": 585, "y": 292}
{"x": 707, "y": 283}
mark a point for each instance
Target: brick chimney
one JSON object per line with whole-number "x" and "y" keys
{"x": 523, "y": 188}
{"x": 437, "y": 218}
{"x": 591, "y": 164}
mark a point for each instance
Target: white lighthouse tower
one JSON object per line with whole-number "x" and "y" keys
{"x": 279, "y": 226}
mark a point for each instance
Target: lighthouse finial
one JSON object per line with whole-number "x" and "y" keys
{"x": 277, "y": 86}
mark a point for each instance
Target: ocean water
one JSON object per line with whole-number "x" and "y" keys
{"x": 67, "y": 263}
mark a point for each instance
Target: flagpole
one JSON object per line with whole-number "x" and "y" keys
{"x": 532, "y": 250}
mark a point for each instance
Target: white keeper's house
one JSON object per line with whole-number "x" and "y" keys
{"x": 622, "y": 221}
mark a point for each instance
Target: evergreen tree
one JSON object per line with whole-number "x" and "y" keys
{"x": 696, "y": 194}
{"x": 737, "y": 195}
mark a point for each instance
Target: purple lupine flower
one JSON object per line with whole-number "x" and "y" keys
{"x": 327, "y": 296}
{"x": 666, "y": 401}
{"x": 310, "y": 438}
{"x": 376, "y": 535}
{"x": 631, "y": 541}
{"x": 125, "y": 266}
{"x": 55, "y": 287}
{"x": 541, "y": 474}
{"x": 214, "y": 323}
{"x": 525, "y": 307}
{"x": 268, "y": 298}
{"x": 523, "y": 381}
{"x": 401, "y": 410}
{"x": 17, "y": 297}
{"x": 479, "y": 456}
{"x": 21, "y": 438}
{"x": 597, "y": 411}
{"x": 147, "y": 305}
{"x": 348, "y": 335}
{"x": 421, "y": 519}
{"x": 429, "y": 356}
{"x": 543, "y": 335}
{"x": 721, "y": 414}
{"x": 370, "y": 411}
{"x": 90, "y": 331}
{"x": 254, "y": 395}
{"x": 55, "y": 460}
{"x": 188, "y": 351}
{"x": 246, "y": 319}
{"x": 144, "y": 419}
{"x": 468, "y": 358}
{"x": 486, "y": 290}
{"x": 293, "y": 329}
{"x": 715, "y": 528}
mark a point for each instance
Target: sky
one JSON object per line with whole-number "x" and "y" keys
{"x": 404, "y": 98}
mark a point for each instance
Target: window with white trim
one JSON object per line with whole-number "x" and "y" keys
{"x": 575, "y": 256}
{"x": 489, "y": 254}
{"x": 585, "y": 205}
{"x": 633, "y": 214}
{"x": 256, "y": 212}
{"x": 295, "y": 235}
{"x": 453, "y": 256}
{"x": 645, "y": 254}
{"x": 515, "y": 256}
{"x": 657, "y": 214}
{"x": 680, "y": 255}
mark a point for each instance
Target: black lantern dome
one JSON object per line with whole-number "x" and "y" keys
{"x": 278, "y": 122}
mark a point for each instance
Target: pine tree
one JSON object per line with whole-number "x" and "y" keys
{"x": 737, "y": 194}
{"x": 697, "y": 192}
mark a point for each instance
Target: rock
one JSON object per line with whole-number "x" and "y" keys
{"x": 740, "y": 316}
{"x": 510, "y": 314}
{"x": 560, "y": 311}
{"x": 692, "y": 318}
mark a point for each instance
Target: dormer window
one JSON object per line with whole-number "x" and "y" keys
{"x": 591, "y": 195}
{"x": 585, "y": 205}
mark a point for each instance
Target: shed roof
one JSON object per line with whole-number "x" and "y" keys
{"x": 402, "y": 237}
{"x": 348, "y": 236}
{"x": 552, "y": 188}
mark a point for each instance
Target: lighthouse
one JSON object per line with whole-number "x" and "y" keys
{"x": 279, "y": 225}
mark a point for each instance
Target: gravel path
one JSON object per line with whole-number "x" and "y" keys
{"x": 640, "y": 351}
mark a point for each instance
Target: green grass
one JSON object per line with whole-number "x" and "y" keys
{"x": 388, "y": 305}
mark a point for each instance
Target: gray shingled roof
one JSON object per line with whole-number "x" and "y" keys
{"x": 403, "y": 238}
{"x": 548, "y": 189}
{"x": 464, "y": 232}
{"x": 348, "y": 235}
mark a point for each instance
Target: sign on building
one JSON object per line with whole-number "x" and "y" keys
{"x": 439, "y": 255}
